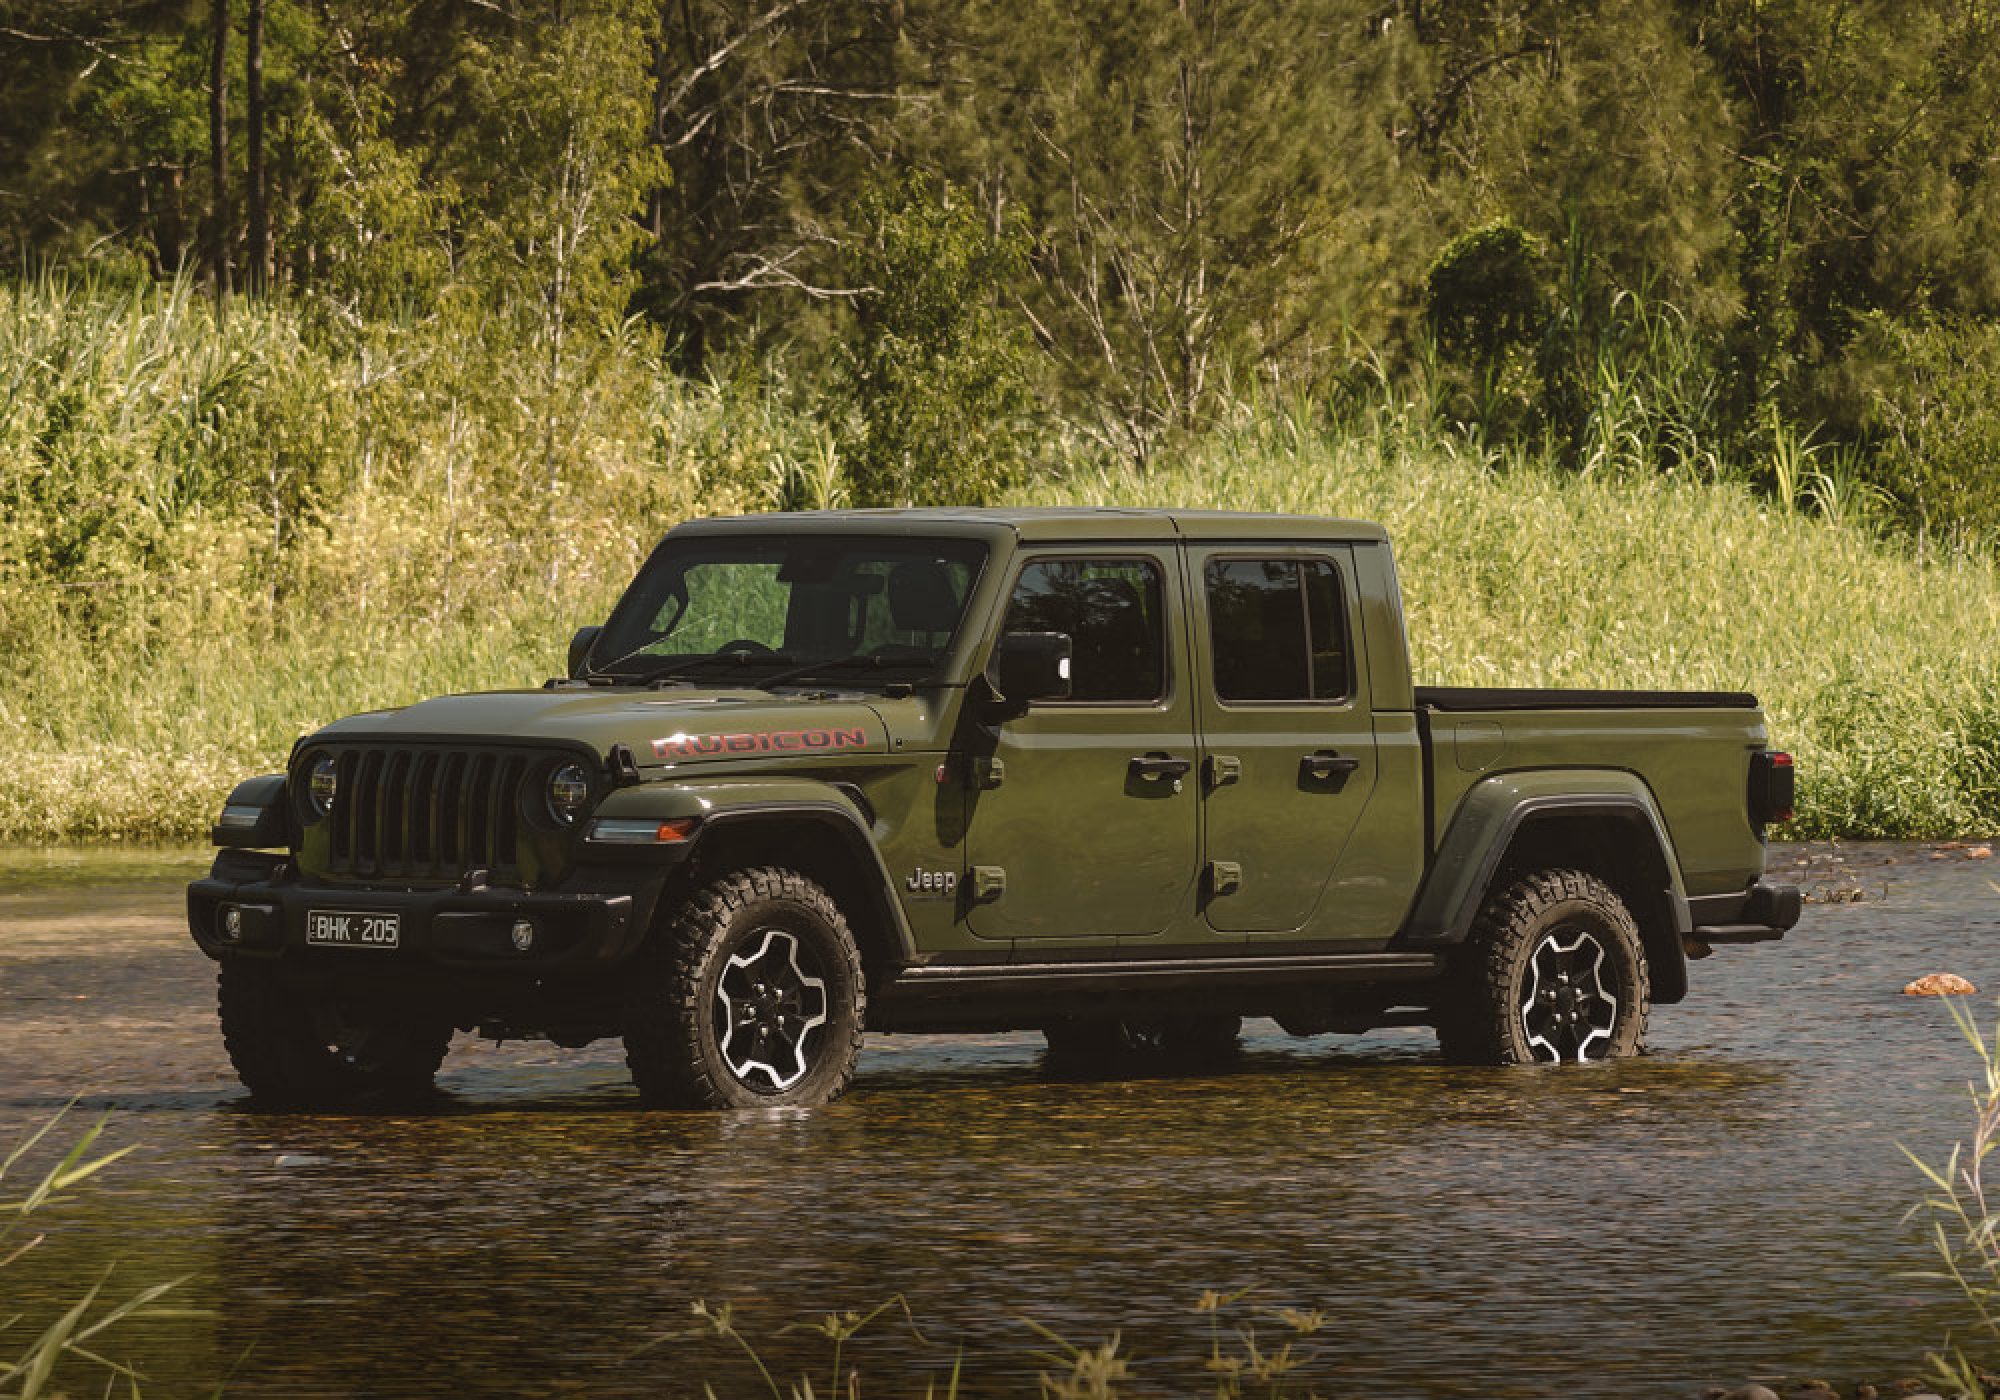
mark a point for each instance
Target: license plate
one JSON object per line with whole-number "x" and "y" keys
{"x": 335, "y": 928}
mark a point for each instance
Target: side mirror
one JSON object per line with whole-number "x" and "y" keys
{"x": 1030, "y": 666}
{"x": 579, "y": 648}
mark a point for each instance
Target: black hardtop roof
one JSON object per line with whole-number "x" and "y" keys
{"x": 1045, "y": 524}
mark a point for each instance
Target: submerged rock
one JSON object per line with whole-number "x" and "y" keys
{"x": 1940, "y": 984}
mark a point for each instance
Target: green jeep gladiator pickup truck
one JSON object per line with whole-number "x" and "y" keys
{"x": 1121, "y": 776}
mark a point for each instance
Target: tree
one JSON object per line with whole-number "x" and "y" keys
{"x": 218, "y": 148}
{"x": 769, "y": 115}
{"x": 935, "y": 370}
{"x": 256, "y": 190}
{"x": 1198, "y": 175}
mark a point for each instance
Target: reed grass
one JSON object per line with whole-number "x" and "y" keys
{"x": 1878, "y": 662}
{"x": 45, "y": 1351}
{"x": 218, "y": 535}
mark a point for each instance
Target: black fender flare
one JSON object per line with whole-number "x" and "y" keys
{"x": 727, "y": 809}
{"x": 1498, "y": 812}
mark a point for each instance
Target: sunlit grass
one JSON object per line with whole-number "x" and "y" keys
{"x": 1879, "y": 666}
{"x": 215, "y": 537}
{"x": 1253, "y": 1351}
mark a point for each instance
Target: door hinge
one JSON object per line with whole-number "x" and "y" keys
{"x": 985, "y": 772}
{"x": 1224, "y": 877}
{"x": 1223, "y": 769}
{"x": 989, "y": 882}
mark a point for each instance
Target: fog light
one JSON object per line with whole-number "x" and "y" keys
{"x": 232, "y": 923}
{"x": 524, "y": 935}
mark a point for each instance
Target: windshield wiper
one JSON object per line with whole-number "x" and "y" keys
{"x": 859, "y": 660}
{"x": 688, "y": 663}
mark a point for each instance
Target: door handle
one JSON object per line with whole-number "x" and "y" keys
{"x": 1325, "y": 763}
{"x": 1158, "y": 765}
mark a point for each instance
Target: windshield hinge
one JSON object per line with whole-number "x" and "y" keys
{"x": 624, "y": 768}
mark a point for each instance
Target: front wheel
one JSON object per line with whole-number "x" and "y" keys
{"x": 751, "y": 997}
{"x": 1553, "y": 971}
{"x": 297, "y": 1048}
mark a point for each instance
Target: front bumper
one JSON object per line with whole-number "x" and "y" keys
{"x": 1762, "y": 913}
{"x": 594, "y": 924}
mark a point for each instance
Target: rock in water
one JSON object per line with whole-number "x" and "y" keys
{"x": 1940, "y": 984}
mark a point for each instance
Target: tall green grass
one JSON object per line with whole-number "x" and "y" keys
{"x": 217, "y": 535}
{"x": 1878, "y": 663}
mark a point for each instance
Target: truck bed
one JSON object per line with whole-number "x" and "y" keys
{"x": 1691, "y": 749}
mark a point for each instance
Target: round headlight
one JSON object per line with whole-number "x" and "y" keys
{"x": 569, "y": 793}
{"x": 322, "y": 783}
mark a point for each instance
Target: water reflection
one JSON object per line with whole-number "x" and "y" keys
{"x": 1727, "y": 1206}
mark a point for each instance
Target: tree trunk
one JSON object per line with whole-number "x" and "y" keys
{"x": 218, "y": 150}
{"x": 253, "y": 82}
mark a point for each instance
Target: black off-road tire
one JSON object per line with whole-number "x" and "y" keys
{"x": 297, "y": 1049}
{"x": 681, "y": 1022}
{"x": 1553, "y": 970}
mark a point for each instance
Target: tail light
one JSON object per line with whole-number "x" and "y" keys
{"x": 1773, "y": 783}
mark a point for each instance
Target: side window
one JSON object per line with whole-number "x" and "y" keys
{"x": 1115, "y": 615}
{"x": 1278, "y": 630}
{"x": 1326, "y": 618}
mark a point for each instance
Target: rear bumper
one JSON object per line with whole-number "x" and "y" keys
{"x": 1761, "y": 914}
{"x": 575, "y": 931}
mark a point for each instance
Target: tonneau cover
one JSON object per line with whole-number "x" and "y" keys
{"x": 1442, "y": 697}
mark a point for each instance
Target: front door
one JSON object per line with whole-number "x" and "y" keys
{"x": 1288, "y": 747}
{"x": 1086, "y": 827}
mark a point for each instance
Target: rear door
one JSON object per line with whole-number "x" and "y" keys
{"x": 1288, "y": 743}
{"x": 1090, "y": 818}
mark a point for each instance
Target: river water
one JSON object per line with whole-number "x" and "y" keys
{"x": 1729, "y": 1206}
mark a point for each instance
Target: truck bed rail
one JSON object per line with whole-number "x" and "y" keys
{"x": 1442, "y": 697}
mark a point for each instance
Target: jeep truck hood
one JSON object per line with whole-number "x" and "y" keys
{"x": 659, "y": 728}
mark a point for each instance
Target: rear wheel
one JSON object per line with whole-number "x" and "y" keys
{"x": 751, "y": 997}
{"x": 1553, "y": 971}
{"x": 298, "y": 1048}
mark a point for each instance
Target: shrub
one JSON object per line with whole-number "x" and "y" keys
{"x": 936, "y": 368}
{"x": 1927, "y": 396}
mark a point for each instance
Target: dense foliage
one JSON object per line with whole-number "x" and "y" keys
{"x": 220, "y": 534}
{"x": 356, "y": 350}
{"x": 1179, "y": 201}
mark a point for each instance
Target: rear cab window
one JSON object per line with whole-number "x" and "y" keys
{"x": 1278, "y": 630}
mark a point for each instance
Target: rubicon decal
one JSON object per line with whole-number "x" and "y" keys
{"x": 769, "y": 741}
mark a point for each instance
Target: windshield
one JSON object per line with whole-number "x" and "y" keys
{"x": 778, "y": 608}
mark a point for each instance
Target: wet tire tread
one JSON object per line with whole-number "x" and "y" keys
{"x": 266, "y": 1030}
{"x": 664, "y": 1048}
{"x": 1477, "y": 1027}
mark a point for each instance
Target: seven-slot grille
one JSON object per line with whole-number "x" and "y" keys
{"x": 427, "y": 811}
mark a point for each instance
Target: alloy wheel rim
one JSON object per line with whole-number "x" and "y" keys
{"x": 1569, "y": 1006}
{"x": 770, "y": 1004}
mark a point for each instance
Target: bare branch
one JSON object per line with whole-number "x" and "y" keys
{"x": 767, "y": 274}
